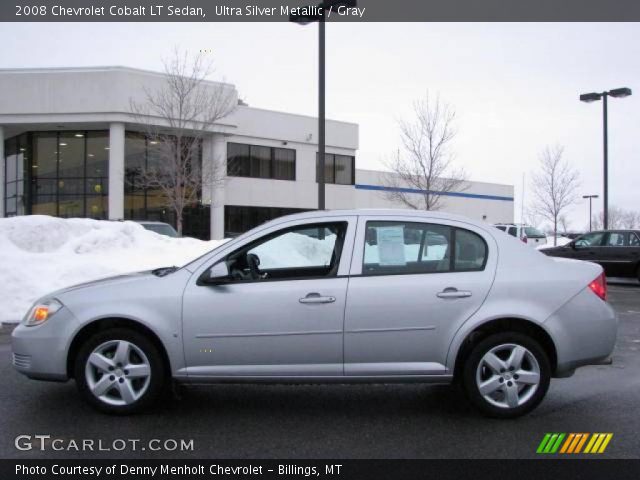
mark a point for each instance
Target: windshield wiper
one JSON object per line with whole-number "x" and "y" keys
{"x": 163, "y": 271}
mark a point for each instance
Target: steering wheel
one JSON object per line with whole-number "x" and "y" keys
{"x": 254, "y": 262}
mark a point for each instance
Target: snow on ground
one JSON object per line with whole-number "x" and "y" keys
{"x": 40, "y": 254}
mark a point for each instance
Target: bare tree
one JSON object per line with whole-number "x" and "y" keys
{"x": 425, "y": 162}
{"x": 630, "y": 219}
{"x": 554, "y": 186}
{"x": 564, "y": 223}
{"x": 618, "y": 218}
{"x": 177, "y": 116}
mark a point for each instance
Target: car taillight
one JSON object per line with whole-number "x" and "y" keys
{"x": 599, "y": 286}
{"x": 524, "y": 239}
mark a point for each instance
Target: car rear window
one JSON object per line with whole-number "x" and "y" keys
{"x": 533, "y": 233}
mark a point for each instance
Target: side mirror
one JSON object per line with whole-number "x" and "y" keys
{"x": 219, "y": 273}
{"x": 573, "y": 245}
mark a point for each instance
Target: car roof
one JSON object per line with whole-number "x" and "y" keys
{"x": 614, "y": 230}
{"x": 391, "y": 212}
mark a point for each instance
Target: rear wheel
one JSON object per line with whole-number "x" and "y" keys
{"x": 506, "y": 375}
{"x": 119, "y": 371}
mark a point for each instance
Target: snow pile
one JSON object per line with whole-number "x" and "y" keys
{"x": 560, "y": 241}
{"x": 40, "y": 254}
{"x": 295, "y": 250}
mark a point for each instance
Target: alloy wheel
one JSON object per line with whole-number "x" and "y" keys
{"x": 118, "y": 372}
{"x": 508, "y": 375}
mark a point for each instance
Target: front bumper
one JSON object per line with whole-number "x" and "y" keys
{"x": 40, "y": 352}
{"x": 584, "y": 332}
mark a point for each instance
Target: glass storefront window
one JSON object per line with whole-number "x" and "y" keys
{"x": 16, "y": 154}
{"x": 147, "y": 153}
{"x": 71, "y": 155}
{"x": 56, "y": 171}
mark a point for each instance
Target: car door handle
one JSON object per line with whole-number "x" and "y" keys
{"x": 453, "y": 293}
{"x": 317, "y": 298}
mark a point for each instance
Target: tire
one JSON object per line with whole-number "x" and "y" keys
{"x": 510, "y": 388}
{"x": 106, "y": 383}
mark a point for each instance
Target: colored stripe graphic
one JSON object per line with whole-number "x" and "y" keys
{"x": 543, "y": 443}
{"x": 550, "y": 443}
{"x": 582, "y": 441}
{"x": 573, "y": 443}
{"x": 598, "y": 443}
{"x": 567, "y": 442}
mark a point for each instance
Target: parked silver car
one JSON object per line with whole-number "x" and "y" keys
{"x": 331, "y": 296}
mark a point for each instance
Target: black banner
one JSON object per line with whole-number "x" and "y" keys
{"x": 544, "y": 468}
{"x": 280, "y": 10}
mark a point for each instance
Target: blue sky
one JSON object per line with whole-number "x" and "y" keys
{"x": 515, "y": 87}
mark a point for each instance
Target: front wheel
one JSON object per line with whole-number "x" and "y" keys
{"x": 506, "y": 375}
{"x": 119, "y": 371}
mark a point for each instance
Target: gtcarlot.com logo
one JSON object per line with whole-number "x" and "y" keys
{"x": 572, "y": 443}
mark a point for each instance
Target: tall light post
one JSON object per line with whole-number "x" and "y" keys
{"x": 594, "y": 97}
{"x": 320, "y": 18}
{"x": 590, "y": 197}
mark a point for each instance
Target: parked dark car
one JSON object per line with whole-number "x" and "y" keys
{"x": 617, "y": 251}
{"x": 572, "y": 235}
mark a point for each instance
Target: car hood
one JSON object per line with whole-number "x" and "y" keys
{"x": 554, "y": 250}
{"x": 114, "y": 280}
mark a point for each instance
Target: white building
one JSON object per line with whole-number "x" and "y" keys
{"x": 68, "y": 141}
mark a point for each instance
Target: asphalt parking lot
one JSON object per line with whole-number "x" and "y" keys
{"x": 339, "y": 421}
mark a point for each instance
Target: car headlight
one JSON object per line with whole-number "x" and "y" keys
{"x": 42, "y": 311}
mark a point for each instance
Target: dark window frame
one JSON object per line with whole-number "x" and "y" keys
{"x": 334, "y": 155}
{"x": 233, "y": 172}
{"x": 269, "y": 212}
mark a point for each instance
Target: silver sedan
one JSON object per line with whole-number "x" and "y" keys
{"x": 337, "y": 296}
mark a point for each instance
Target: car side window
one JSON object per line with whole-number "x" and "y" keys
{"x": 513, "y": 231}
{"x": 471, "y": 251}
{"x": 411, "y": 247}
{"x": 634, "y": 241}
{"x": 615, "y": 239}
{"x": 304, "y": 251}
{"x": 590, "y": 240}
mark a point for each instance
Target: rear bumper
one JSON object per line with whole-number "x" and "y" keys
{"x": 584, "y": 331}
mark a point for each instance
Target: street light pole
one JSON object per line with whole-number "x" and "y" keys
{"x": 321, "y": 110}
{"x": 320, "y": 17}
{"x": 590, "y": 197}
{"x": 605, "y": 144}
{"x": 593, "y": 97}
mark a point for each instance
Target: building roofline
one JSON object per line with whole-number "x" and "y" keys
{"x": 369, "y": 170}
{"x": 97, "y": 68}
{"x": 295, "y": 114}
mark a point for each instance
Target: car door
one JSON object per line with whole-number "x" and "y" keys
{"x": 587, "y": 247}
{"x": 619, "y": 255}
{"x": 412, "y": 285}
{"x": 613, "y": 255}
{"x": 281, "y": 313}
{"x": 634, "y": 253}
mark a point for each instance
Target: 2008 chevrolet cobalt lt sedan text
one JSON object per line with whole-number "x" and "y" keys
{"x": 331, "y": 296}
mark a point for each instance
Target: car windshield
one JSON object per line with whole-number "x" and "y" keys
{"x": 533, "y": 232}
{"x": 162, "y": 229}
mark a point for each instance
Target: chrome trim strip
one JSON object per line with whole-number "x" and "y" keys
{"x": 266, "y": 334}
{"x": 390, "y": 329}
